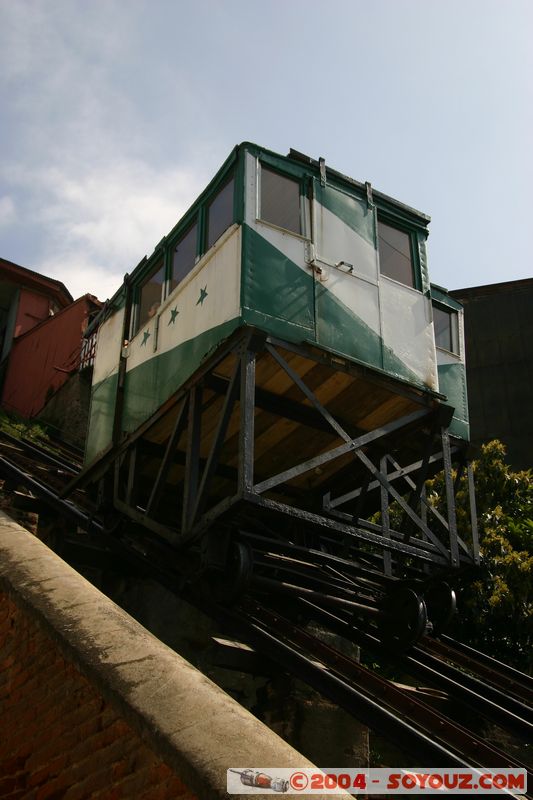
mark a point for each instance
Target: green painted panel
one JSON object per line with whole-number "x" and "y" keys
{"x": 341, "y": 330}
{"x": 460, "y": 428}
{"x": 442, "y": 296}
{"x": 354, "y": 212}
{"x": 346, "y": 333}
{"x": 275, "y": 286}
{"x": 151, "y": 383}
{"x": 278, "y": 298}
{"x": 101, "y": 417}
{"x": 452, "y": 383}
{"x": 395, "y": 366}
{"x": 281, "y": 328}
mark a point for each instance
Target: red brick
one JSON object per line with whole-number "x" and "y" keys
{"x": 111, "y": 793}
{"x": 11, "y": 784}
{"x": 54, "y": 790}
{"x": 50, "y": 770}
{"x": 134, "y": 784}
{"x": 10, "y": 766}
{"x": 97, "y": 772}
{"x": 64, "y": 740}
{"x": 102, "y": 755}
{"x": 96, "y": 748}
{"x": 120, "y": 768}
{"x": 18, "y": 794}
{"x": 38, "y": 676}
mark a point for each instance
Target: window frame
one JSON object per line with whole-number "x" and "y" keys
{"x": 304, "y": 195}
{"x": 453, "y": 314}
{"x": 193, "y": 221}
{"x": 399, "y": 225}
{"x": 163, "y": 254}
{"x": 155, "y": 265}
{"x": 229, "y": 176}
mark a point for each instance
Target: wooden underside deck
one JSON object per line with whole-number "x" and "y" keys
{"x": 289, "y": 428}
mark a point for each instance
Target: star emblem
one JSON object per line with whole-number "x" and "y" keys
{"x": 146, "y": 336}
{"x": 173, "y": 314}
{"x": 203, "y": 295}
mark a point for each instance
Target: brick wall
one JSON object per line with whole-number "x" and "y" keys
{"x": 93, "y": 706}
{"x": 60, "y": 737}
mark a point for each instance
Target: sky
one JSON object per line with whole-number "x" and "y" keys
{"x": 114, "y": 114}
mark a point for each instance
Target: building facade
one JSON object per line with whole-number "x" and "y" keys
{"x": 499, "y": 362}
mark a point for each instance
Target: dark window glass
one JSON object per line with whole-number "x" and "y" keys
{"x": 280, "y": 200}
{"x": 220, "y": 213}
{"x": 184, "y": 256}
{"x": 446, "y": 329}
{"x": 150, "y": 295}
{"x": 395, "y": 258}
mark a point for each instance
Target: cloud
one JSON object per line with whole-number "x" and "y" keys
{"x": 94, "y": 193}
{"x": 36, "y": 36}
{"x": 100, "y": 222}
{"x": 8, "y": 213}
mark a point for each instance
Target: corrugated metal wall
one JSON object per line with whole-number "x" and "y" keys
{"x": 43, "y": 358}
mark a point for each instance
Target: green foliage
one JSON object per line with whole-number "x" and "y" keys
{"x": 21, "y": 428}
{"x": 496, "y": 609}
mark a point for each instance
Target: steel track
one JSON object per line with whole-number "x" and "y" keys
{"x": 442, "y": 737}
{"x": 424, "y": 732}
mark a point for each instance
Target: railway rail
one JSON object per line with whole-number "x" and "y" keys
{"x": 324, "y": 595}
{"x": 378, "y": 702}
{"x": 490, "y": 669}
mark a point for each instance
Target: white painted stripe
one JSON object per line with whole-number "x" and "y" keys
{"x": 108, "y": 347}
{"x": 408, "y": 329}
{"x": 208, "y": 297}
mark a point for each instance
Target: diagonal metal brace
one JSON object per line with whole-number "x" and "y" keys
{"x": 309, "y": 394}
{"x": 336, "y": 452}
{"x": 164, "y": 467}
{"x": 401, "y": 502}
{"x": 218, "y": 441}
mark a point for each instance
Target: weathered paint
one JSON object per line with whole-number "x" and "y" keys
{"x": 274, "y": 286}
{"x": 104, "y": 388}
{"x": 201, "y": 311}
{"x": 346, "y": 230}
{"x": 153, "y": 381}
{"x": 356, "y": 312}
{"x": 33, "y": 308}
{"x": 323, "y": 287}
{"x": 41, "y": 360}
{"x": 452, "y": 383}
{"x": 100, "y": 431}
{"x": 452, "y": 370}
{"x": 407, "y": 332}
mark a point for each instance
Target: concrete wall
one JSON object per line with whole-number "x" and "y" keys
{"x": 93, "y": 706}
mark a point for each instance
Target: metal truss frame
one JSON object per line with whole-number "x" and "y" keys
{"x": 425, "y": 539}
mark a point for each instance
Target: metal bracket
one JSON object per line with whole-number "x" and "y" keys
{"x": 349, "y": 267}
{"x": 369, "y": 197}
{"x": 309, "y": 253}
{"x": 322, "y": 167}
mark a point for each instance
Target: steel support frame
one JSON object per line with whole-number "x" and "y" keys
{"x": 337, "y": 518}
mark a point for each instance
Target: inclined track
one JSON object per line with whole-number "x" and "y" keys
{"x": 362, "y": 690}
{"x": 498, "y": 692}
{"x": 494, "y": 672}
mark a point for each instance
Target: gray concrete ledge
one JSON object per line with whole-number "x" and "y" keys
{"x": 183, "y": 716}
